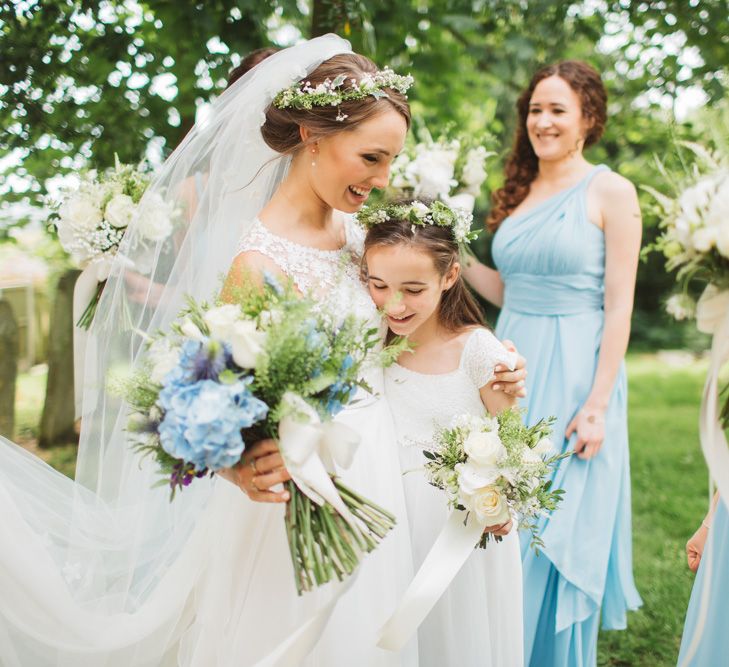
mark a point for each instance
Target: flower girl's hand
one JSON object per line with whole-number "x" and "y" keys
{"x": 695, "y": 547}
{"x": 500, "y": 529}
{"x": 511, "y": 382}
{"x": 589, "y": 425}
{"x": 261, "y": 468}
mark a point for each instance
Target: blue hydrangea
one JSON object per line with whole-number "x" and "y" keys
{"x": 203, "y": 420}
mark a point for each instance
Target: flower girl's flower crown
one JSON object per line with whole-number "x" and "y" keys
{"x": 419, "y": 215}
{"x": 333, "y": 92}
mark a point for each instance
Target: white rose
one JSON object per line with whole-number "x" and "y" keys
{"x": 695, "y": 200}
{"x": 247, "y": 342}
{"x": 119, "y": 210}
{"x": 712, "y": 308}
{"x": 717, "y": 218}
{"x": 189, "y": 330}
{"x": 528, "y": 455}
{"x": 463, "y": 200}
{"x": 544, "y": 447}
{"x": 484, "y": 448}
{"x": 220, "y": 321}
{"x": 474, "y": 173}
{"x": 704, "y": 238}
{"x": 164, "y": 359}
{"x": 80, "y": 213}
{"x": 472, "y": 476}
{"x": 155, "y": 218}
{"x": 488, "y": 505}
{"x": 680, "y": 306}
{"x": 434, "y": 171}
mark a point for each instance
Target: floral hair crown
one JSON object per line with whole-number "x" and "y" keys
{"x": 333, "y": 92}
{"x": 419, "y": 215}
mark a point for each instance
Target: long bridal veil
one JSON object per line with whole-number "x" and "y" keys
{"x": 91, "y": 570}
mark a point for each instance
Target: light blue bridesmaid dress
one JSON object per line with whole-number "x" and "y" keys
{"x": 705, "y": 643}
{"x": 552, "y": 262}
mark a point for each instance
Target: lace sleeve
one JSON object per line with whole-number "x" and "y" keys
{"x": 355, "y": 236}
{"x": 482, "y": 352}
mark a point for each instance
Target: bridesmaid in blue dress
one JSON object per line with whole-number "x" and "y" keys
{"x": 705, "y": 638}
{"x": 567, "y": 250}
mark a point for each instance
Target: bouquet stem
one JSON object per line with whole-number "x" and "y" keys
{"x": 87, "y": 317}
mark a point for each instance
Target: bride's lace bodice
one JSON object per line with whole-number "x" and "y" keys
{"x": 330, "y": 276}
{"x": 423, "y": 403}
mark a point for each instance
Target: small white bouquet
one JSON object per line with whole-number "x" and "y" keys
{"x": 496, "y": 469}
{"x": 451, "y": 169}
{"x": 695, "y": 243}
{"x": 92, "y": 219}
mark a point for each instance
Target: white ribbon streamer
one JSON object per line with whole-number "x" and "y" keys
{"x": 83, "y": 292}
{"x": 452, "y": 548}
{"x": 311, "y": 449}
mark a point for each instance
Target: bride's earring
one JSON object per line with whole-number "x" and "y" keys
{"x": 313, "y": 161}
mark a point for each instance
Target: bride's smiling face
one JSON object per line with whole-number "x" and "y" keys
{"x": 349, "y": 164}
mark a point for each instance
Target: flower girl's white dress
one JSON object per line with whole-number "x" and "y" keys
{"x": 478, "y": 620}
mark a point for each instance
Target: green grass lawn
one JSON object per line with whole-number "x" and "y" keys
{"x": 669, "y": 499}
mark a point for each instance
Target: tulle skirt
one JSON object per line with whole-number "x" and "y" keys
{"x": 227, "y": 597}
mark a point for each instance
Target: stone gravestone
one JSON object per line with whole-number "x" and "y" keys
{"x": 8, "y": 368}
{"x": 57, "y": 421}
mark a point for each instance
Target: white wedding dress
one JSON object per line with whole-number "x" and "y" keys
{"x": 104, "y": 571}
{"x": 478, "y": 620}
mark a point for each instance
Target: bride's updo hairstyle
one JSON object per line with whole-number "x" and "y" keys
{"x": 522, "y": 164}
{"x": 281, "y": 129}
{"x": 458, "y": 308}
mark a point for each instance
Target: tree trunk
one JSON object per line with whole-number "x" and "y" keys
{"x": 8, "y": 368}
{"x": 57, "y": 421}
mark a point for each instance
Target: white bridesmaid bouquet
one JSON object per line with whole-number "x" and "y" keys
{"x": 496, "y": 468}
{"x": 91, "y": 221}
{"x": 270, "y": 365}
{"x": 451, "y": 169}
{"x": 695, "y": 243}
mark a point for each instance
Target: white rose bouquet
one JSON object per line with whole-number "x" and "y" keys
{"x": 452, "y": 169}
{"x": 268, "y": 366}
{"x": 695, "y": 243}
{"x": 91, "y": 221}
{"x": 496, "y": 468}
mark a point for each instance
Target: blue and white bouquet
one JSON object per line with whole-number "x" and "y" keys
{"x": 268, "y": 365}
{"x": 92, "y": 219}
{"x": 496, "y": 469}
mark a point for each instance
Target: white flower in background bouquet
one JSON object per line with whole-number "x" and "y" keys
{"x": 92, "y": 218}
{"x": 452, "y": 169}
{"x": 695, "y": 243}
{"x": 496, "y": 469}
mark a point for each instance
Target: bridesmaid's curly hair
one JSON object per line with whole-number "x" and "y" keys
{"x": 522, "y": 164}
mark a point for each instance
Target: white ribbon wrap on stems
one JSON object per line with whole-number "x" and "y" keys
{"x": 452, "y": 548}
{"x": 312, "y": 448}
{"x": 83, "y": 292}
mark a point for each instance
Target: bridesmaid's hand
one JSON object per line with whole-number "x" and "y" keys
{"x": 500, "y": 529}
{"x": 589, "y": 424}
{"x": 695, "y": 547}
{"x": 511, "y": 382}
{"x": 261, "y": 468}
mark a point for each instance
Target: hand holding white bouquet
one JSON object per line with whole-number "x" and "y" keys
{"x": 269, "y": 365}
{"x": 92, "y": 219}
{"x": 496, "y": 468}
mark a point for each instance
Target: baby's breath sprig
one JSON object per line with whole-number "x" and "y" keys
{"x": 333, "y": 92}
{"x": 420, "y": 214}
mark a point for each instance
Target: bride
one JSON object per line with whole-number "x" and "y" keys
{"x": 105, "y": 570}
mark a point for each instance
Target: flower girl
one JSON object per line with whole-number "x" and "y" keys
{"x": 411, "y": 265}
